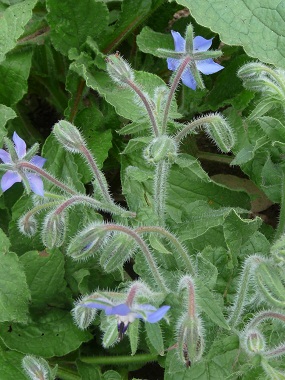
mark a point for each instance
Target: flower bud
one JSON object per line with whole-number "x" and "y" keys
{"x": 28, "y": 225}
{"x": 254, "y": 342}
{"x": 161, "y": 148}
{"x": 69, "y": 136}
{"x": 87, "y": 242}
{"x": 270, "y": 285}
{"x": 119, "y": 69}
{"x": 190, "y": 339}
{"x": 38, "y": 368}
{"x": 252, "y": 69}
{"x": 54, "y": 229}
{"x": 117, "y": 251}
{"x": 220, "y": 132}
{"x": 83, "y": 316}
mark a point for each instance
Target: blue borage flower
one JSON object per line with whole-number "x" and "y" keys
{"x": 127, "y": 314}
{"x": 205, "y": 66}
{"x": 12, "y": 176}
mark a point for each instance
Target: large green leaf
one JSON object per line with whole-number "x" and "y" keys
{"x": 51, "y": 334}
{"x": 73, "y": 21}
{"x": 6, "y": 113}
{"x": 13, "y": 22}
{"x": 14, "y": 73}
{"x": 10, "y": 365}
{"x": 45, "y": 275}
{"x": 257, "y": 25}
{"x": 14, "y": 292}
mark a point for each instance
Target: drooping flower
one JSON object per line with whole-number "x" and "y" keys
{"x": 127, "y": 314}
{"x": 198, "y": 46}
{"x": 12, "y": 175}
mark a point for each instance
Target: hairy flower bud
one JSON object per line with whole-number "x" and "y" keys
{"x": 38, "y": 368}
{"x": 54, "y": 229}
{"x": 190, "y": 339}
{"x": 69, "y": 136}
{"x": 119, "y": 69}
{"x": 161, "y": 148}
{"x": 117, "y": 251}
{"x": 220, "y": 132}
{"x": 254, "y": 342}
{"x": 27, "y": 225}
{"x": 87, "y": 242}
{"x": 83, "y": 316}
{"x": 252, "y": 69}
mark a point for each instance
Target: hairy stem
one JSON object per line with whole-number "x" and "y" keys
{"x": 160, "y": 182}
{"x": 182, "y": 252}
{"x": 174, "y": 84}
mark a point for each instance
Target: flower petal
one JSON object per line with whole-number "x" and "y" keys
{"x": 179, "y": 41}
{"x": 188, "y": 79}
{"x": 38, "y": 161}
{"x": 173, "y": 63}
{"x": 20, "y": 145}
{"x": 36, "y": 184}
{"x": 5, "y": 156}
{"x": 201, "y": 44}
{"x": 158, "y": 314}
{"x": 8, "y": 180}
{"x": 208, "y": 66}
{"x": 121, "y": 310}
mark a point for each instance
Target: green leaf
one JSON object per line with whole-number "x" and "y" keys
{"x": 13, "y": 22}
{"x": 45, "y": 275}
{"x": 112, "y": 375}
{"x": 49, "y": 334}
{"x": 238, "y": 231}
{"x": 14, "y": 73}
{"x": 14, "y": 292}
{"x": 271, "y": 182}
{"x": 210, "y": 306}
{"x": 11, "y": 365}
{"x": 61, "y": 163}
{"x": 149, "y": 41}
{"x": 255, "y": 25}
{"x": 6, "y": 114}
{"x": 154, "y": 335}
{"x": 72, "y": 21}
{"x": 4, "y": 243}
{"x": 133, "y": 12}
{"x": 88, "y": 371}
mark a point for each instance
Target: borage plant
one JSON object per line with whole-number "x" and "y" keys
{"x": 179, "y": 252}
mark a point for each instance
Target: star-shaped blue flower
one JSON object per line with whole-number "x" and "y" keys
{"x": 127, "y": 314}
{"x": 12, "y": 176}
{"x": 205, "y": 66}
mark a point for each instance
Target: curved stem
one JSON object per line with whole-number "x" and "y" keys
{"x": 147, "y": 105}
{"x": 119, "y": 360}
{"x": 172, "y": 90}
{"x": 143, "y": 246}
{"x": 97, "y": 205}
{"x": 174, "y": 241}
{"x": 90, "y": 159}
{"x": 46, "y": 175}
{"x": 195, "y": 123}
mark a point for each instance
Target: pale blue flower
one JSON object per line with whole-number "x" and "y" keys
{"x": 205, "y": 66}
{"x": 12, "y": 176}
{"x": 127, "y": 314}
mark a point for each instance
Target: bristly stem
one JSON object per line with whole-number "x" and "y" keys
{"x": 46, "y": 175}
{"x": 174, "y": 85}
{"x": 182, "y": 252}
{"x": 147, "y": 105}
{"x": 147, "y": 254}
{"x": 90, "y": 159}
{"x": 160, "y": 182}
{"x": 115, "y": 360}
{"x": 195, "y": 123}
